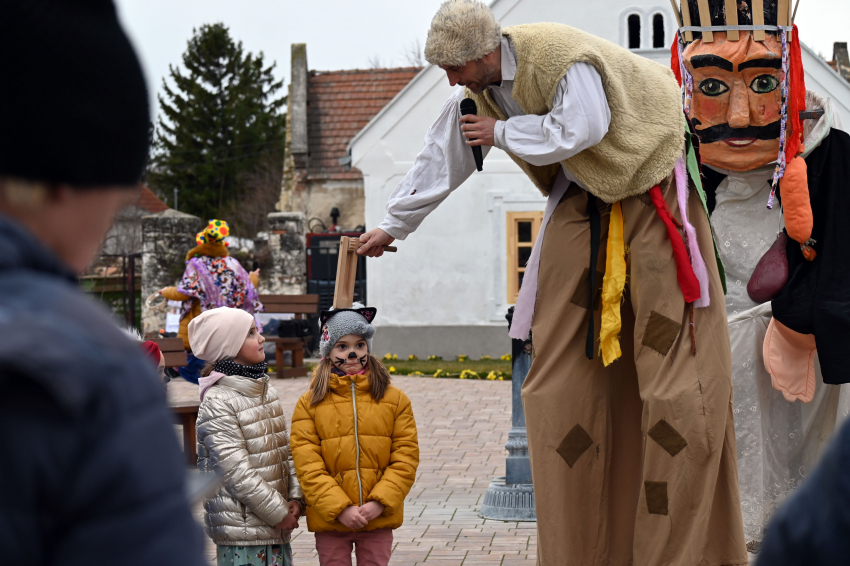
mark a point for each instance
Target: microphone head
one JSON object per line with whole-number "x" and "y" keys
{"x": 468, "y": 106}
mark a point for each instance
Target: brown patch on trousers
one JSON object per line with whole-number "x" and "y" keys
{"x": 667, "y": 437}
{"x": 574, "y": 444}
{"x": 656, "y": 497}
{"x": 581, "y": 296}
{"x": 660, "y": 333}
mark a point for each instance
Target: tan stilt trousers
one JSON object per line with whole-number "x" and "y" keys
{"x": 634, "y": 463}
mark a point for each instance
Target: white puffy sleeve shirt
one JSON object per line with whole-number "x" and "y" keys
{"x": 579, "y": 119}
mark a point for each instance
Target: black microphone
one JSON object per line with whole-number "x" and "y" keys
{"x": 467, "y": 106}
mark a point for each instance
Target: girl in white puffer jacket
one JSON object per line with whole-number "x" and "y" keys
{"x": 242, "y": 435}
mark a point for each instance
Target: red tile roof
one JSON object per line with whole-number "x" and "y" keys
{"x": 150, "y": 202}
{"x": 339, "y": 105}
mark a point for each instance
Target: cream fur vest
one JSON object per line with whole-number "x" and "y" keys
{"x": 646, "y": 134}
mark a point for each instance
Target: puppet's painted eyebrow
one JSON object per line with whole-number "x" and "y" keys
{"x": 771, "y": 63}
{"x": 698, "y": 61}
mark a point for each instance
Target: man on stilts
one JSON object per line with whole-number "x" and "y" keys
{"x": 628, "y": 400}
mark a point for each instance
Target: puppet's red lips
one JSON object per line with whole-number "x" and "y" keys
{"x": 739, "y": 142}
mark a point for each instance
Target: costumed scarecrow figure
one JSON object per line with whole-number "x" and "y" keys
{"x": 773, "y": 181}
{"x": 212, "y": 279}
{"x": 628, "y": 402}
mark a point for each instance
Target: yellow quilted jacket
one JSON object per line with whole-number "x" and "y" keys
{"x": 352, "y": 450}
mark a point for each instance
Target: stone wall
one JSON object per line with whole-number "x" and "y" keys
{"x": 166, "y": 237}
{"x": 287, "y": 244}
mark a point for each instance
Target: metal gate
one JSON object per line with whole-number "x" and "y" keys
{"x": 322, "y": 258}
{"x": 114, "y": 280}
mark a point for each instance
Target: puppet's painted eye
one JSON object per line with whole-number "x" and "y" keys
{"x": 763, "y": 84}
{"x": 713, "y": 87}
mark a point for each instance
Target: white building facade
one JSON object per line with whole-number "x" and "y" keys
{"x": 447, "y": 290}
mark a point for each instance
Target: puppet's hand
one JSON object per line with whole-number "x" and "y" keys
{"x": 373, "y": 242}
{"x": 478, "y": 130}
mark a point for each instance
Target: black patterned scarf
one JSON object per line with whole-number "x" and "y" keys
{"x": 229, "y": 367}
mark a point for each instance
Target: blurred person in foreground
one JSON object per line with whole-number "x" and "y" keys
{"x": 812, "y": 527}
{"x": 92, "y": 472}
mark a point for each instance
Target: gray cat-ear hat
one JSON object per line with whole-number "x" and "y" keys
{"x": 341, "y": 322}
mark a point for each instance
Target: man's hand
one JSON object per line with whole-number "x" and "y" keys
{"x": 372, "y": 510}
{"x": 373, "y": 242}
{"x": 478, "y": 128}
{"x": 351, "y": 518}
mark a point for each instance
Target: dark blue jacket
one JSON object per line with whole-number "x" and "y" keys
{"x": 90, "y": 468}
{"x": 813, "y": 527}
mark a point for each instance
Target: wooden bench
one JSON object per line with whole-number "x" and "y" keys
{"x": 187, "y": 415}
{"x": 299, "y": 306}
{"x": 173, "y": 351}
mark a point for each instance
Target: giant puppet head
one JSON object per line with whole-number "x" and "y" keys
{"x": 744, "y": 89}
{"x": 735, "y": 95}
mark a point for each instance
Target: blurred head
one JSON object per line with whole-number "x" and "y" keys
{"x": 464, "y": 41}
{"x": 72, "y": 222}
{"x": 737, "y": 102}
{"x": 252, "y": 352}
{"x": 75, "y": 125}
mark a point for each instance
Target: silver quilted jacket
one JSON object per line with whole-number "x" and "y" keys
{"x": 242, "y": 434}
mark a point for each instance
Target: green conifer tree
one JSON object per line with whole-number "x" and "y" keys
{"x": 219, "y": 121}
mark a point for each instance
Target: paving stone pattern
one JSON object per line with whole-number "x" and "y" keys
{"x": 463, "y": 426}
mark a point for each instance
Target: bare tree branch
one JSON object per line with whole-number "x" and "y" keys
{"x": 413, "y": 54}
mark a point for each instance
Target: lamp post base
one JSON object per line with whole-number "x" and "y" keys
{"x": 509, "y": 502}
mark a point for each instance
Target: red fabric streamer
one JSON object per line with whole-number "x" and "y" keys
{"x": 674, "y": 59}
{"x": 152, "y": 351}
{"x": 688, "y": 282}
{"x": 796, "y": 97}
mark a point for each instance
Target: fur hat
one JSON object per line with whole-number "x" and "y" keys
{"x": 461, "y": 31}
{"x": 342, "y": 322}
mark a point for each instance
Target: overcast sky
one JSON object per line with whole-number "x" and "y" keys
{"x": 347, "y": 34}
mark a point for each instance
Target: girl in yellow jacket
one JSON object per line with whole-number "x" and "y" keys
{"x": 354, "y": 445}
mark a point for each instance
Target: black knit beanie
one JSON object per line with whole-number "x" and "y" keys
{"x": 73, "y": 100}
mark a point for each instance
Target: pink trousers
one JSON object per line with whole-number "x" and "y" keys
{"x": 372, "y": 548}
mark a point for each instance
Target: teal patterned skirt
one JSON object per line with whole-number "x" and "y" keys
{"x": 266, "y": 555}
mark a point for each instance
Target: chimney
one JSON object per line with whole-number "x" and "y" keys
{"x": 297, "y": 103}
{"x": 841, "y": 59}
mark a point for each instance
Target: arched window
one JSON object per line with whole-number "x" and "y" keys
{"x": 634, "y": 31}
{"x": 658, "y": 31}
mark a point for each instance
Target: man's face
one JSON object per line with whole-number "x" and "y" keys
{"x": 736, "y": 100}
{"x": 475, "y": 75}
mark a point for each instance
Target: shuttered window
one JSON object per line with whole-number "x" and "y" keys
{"x": 522, "y": 233}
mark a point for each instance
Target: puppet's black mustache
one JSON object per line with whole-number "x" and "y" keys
{"x": 720, "y": 132}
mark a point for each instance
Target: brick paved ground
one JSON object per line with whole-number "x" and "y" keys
{"x": 463, "y": 427}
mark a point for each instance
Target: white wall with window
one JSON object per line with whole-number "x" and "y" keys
{"x": 648, "y": 30}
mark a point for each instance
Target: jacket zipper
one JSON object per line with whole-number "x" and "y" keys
{"x": 280, "y": 459}
{"x": 356, "y": 440}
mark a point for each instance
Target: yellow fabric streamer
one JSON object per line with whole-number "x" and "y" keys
{"x": 612, "y": 288}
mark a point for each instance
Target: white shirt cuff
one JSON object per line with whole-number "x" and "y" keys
{"x": 499, "y": 135}
{"x": 395, "y": 227}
